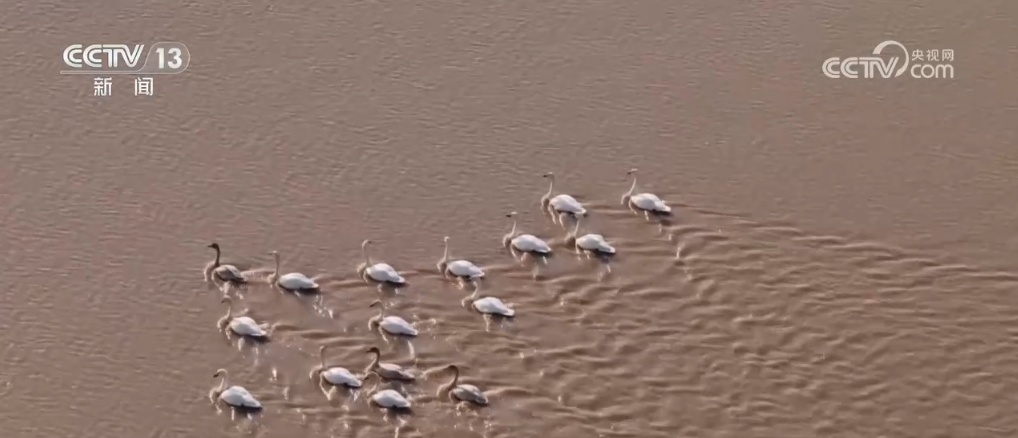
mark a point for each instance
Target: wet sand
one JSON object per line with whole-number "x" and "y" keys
{"x": 846, "y": 265}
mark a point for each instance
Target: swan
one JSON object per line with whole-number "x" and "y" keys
{"x": 589, "y": 243}
{"x": 235, "y": 396}
{"x": 241, "y": 325}
{"x": 386, "y": 370}
{"x": 562, "y": 204}
{"x": 462, "y": 391}
{"x": 648, "y": 202}
{"x": 489, "y": 305}
{"x": 338, "y": 376}
{"x": 294, "y": 281}
{"x": 527, "y": 243}
{"x": 379, "y": 272}
{"x": 393, "y": 325}
{"x": 228, "y": 273}
{"x": 390, "y": 399}
{"x": 461, "y": 269}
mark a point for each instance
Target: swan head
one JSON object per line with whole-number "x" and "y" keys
{"x": 453, "y": 368}
{"x": 226, "y": 300}
{"x": 511, "y": 214}
{"x": 445, "y": 239}
{"x": 373, "y": 350}
{"x": 365, "y": 243}
{"x": 376, "y": 303}
{"x": 213, "y": 245}
{"x": 219, "y": 373}
{"x": 631, "y": 171}
{"x": 548, "y": 175}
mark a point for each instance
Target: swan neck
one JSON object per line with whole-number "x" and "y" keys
{"x": 632, "y": 188}
{"x": 222, "y": 382}
{"x": 576, "y": 228}
{"x": 512, "y": 232}
{"x": 445, "y": 255}
{"x": 367, "y": 258}
{"x": 375, "y": 361}
{"x": 455, "y": 379}
{"x": 229, "y": 310}
{"x": 215, "y": 264}
{"x": 551, "y": 186}
{"x": 275, "y": 273}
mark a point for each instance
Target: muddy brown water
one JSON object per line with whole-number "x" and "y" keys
{"x": 847, "y": 247}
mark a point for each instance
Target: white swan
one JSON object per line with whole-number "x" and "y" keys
{"x": 527, "y": 243}
{"x": 379, "y": 272}
{"x": 392, "y": 325}
{"x": 489, "y": 305}
{"x": 648, "y": 202}
{"x": 390, "y": 399}
{"x": 589, "y": 243}
{"x": 386, "y": 370}
{"x": 462, "y": 269}
{"x": 338, "y": 376}
{"x": 560, "y": 205}
{"x": 294, "y": 281}
{"x": 228, "y": 273}
{"x": 241, "y": 325}
{"x": 462, "y": 391}
{"x": 235, "y": 396}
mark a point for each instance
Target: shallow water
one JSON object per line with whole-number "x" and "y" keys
{"x": 845, "y": 248}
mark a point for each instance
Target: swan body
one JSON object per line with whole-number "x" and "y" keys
{"x": 293, "y": 281}
{"x": 242, "y": 325}
{"x": 384, "y": 273}
{"x": 388, "y": 371}
{"x": 648, "y": 202}
{"x": 489, "y": 305}
{"x": 223, "y": 272}
{"x": 531, "y": 243}
{"x": 561, "y": 204}
{"x": 236, "y": 396}
{"x": 464, "y": 392}
{"x": 296, "y": 281}
{"x": 390, "y": 399}
{"x": 567, "y": 204}
{"x": 393, "y": 325}
{"x": 338, "y": 376}
{"x": 379, "y": 272}
{"x": 458, "y": 268}
{"x": 492, "y": 306}
{"x": 590, "y": 242}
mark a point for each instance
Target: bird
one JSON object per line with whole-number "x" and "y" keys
{"x": 560, "y": 205}
{"x": 293, "y": 282}
{"x": 226, "y": 273}
{"x": 386, "y": 370}
{"x": 390, "y": 399}
{"x": 525, "y": 243}
{"x": 461, "y": 391}
{"x": 647, "y": 202}
{"x": 461, "y": 269}
{"x": 335, "y": 375}
{"x": 378, "y": 272}
{"x": 392, "y": 325}
{"x": 242, "y": 325}
{"x": 589, "y": 243}
{"x": 236, "y": 396}
{"x": 489, "y": 305}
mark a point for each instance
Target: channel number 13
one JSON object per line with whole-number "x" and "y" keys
{"x": 174, "y": 54}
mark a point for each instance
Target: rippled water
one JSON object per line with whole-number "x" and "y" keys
{"x": 840, "y": 261}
